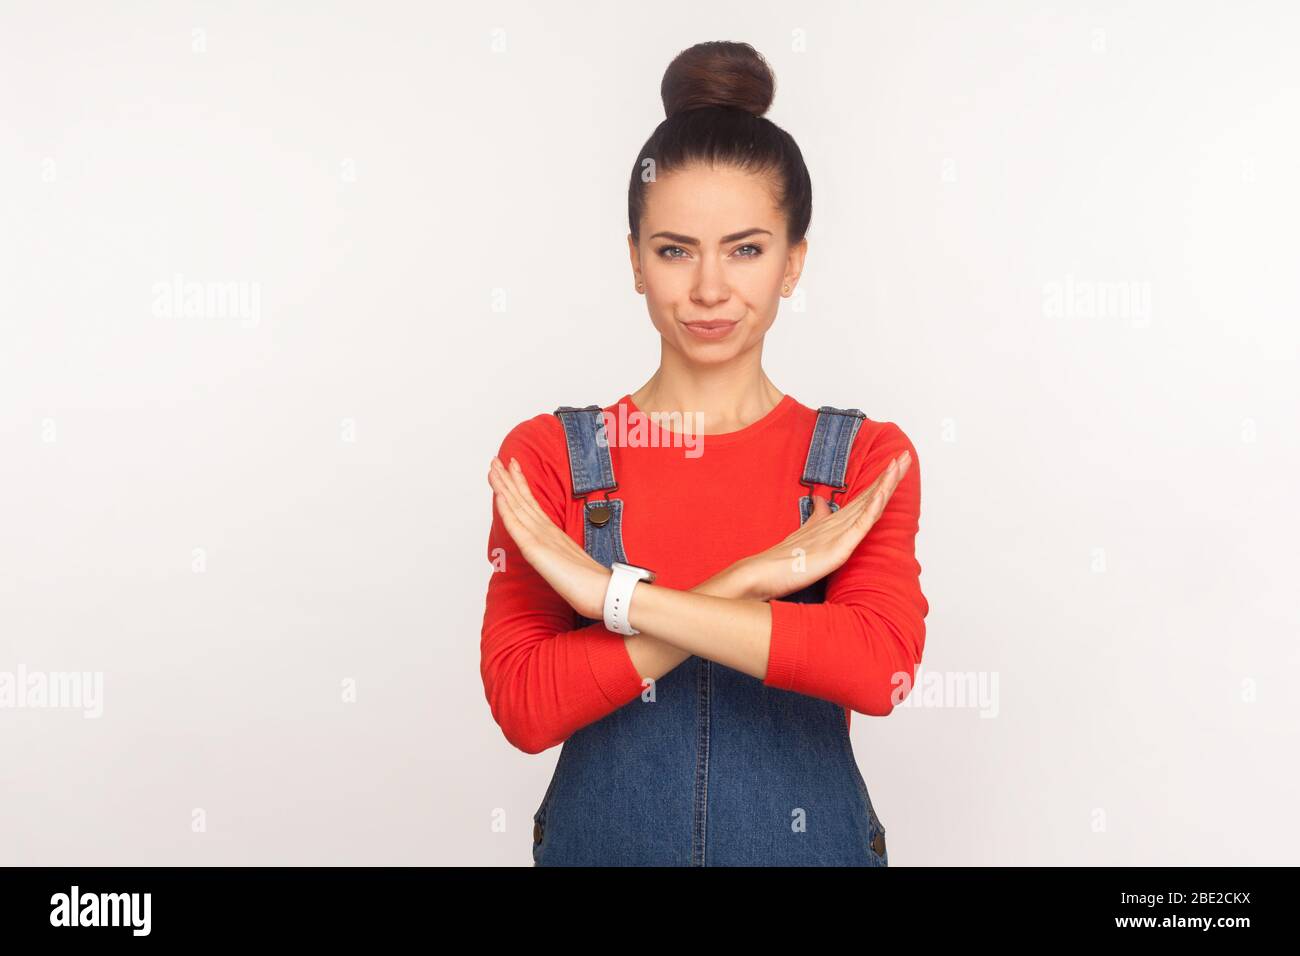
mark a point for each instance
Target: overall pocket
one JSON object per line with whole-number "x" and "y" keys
{"x": 875, "y": 827}
{"x": 539, "y": 823}
{"x": 539, "y": 817}
{"x": 877, "y": 837}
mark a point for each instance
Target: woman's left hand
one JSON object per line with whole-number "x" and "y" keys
{"x": 574, "y": 574}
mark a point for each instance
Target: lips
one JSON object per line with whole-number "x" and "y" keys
{"x": 714, "y": 330}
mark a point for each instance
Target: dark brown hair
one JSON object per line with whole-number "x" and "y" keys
{"x": 715, "y": 95}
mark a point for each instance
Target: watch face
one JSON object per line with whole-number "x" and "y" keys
{"x": 645, "y": 574}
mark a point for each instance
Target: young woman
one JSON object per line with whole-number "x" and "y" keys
{"x": 677, "y": 606}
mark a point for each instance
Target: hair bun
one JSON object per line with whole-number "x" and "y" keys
{"x": 719, "y": 73}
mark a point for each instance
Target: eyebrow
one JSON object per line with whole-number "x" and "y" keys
{"x": 692, "y": 241}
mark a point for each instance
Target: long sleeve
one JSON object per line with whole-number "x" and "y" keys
{"x": 853, "y": 648}
{"x": 543, "y": 678}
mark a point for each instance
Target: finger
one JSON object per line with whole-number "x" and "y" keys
{"x": 509, "y": 494}
{"x": 510, "y": 488}
{"x": 869, "y": 516}
{"x": 539, "y": 519}
{"x": 504, "y": 508}
{"x": 892, "y": 481}
{"x": 501, "y": 485}
{"x": 870, "y": 503}
{"x": 525, "y": 492}
{"x": 858, "y": 520}
{"x": 902, "y": 463}
{"x": 861, "y": 514}
{"x": 893, "y": 471}
{"x": 541, "y": 522}
{"x": 864, "y": 498}
{"x": 527, "y": 512}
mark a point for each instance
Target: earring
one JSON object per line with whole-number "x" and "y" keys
{"x": 785, "y": 288}
{"x": 640, "y": 287}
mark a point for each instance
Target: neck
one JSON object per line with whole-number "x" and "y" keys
{"x": 727, "y": 397}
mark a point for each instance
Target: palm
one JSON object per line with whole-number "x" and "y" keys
{"x": 825, "y": 540}
{"x": 575, "y": 575}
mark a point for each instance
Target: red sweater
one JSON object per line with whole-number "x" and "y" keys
{"x": 688, "y": 518}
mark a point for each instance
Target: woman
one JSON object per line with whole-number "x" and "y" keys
{"x": 704, "y": 710}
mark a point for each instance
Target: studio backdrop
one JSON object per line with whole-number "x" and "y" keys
{"x": 276, "y": 280}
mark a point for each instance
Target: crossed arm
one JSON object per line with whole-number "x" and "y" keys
{"x": 544, "y": 679}
{"x": 726, "y": 619}
{"x": 716, "y": 620}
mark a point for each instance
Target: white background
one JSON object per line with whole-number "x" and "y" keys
{"x": 430, "y": 202}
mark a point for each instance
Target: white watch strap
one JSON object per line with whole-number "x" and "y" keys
{"x": 618, "y": 595}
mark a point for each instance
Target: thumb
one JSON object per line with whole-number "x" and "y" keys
{"x": 820, "y": 507}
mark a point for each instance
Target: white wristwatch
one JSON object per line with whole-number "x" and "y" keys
{"x": 618, "y": 595}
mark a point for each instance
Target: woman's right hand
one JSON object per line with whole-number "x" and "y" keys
{"x": 824, "y": 542}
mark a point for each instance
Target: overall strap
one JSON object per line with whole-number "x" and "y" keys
{"x": 828, "y": 454}
{"x": 590, "y": 465}
{"x": 591, "y": 468}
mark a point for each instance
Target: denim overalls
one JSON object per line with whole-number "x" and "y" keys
{"x": 718, "y": 769}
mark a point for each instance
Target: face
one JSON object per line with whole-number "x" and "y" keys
{"x": 713, "y": 249}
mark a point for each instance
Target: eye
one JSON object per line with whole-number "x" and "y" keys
{"x": 664, "y": 249}
{"x": 749, "y": 245}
